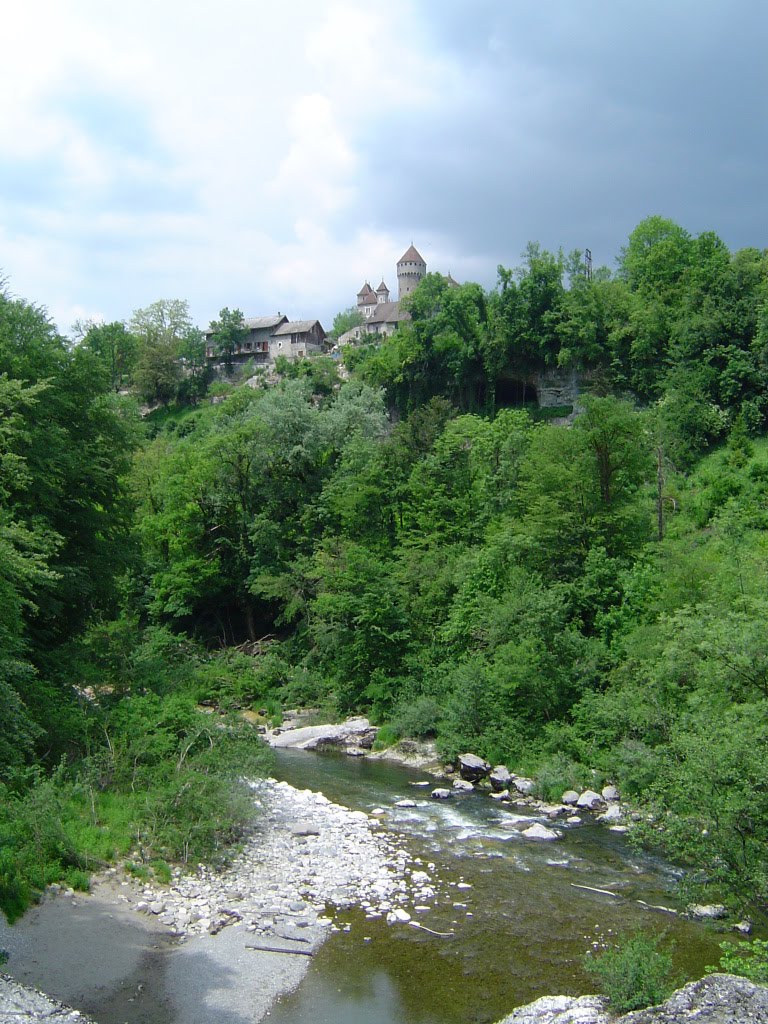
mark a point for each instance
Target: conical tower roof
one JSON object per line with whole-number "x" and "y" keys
{"x": 382, "y": 287}
{"x": 411, "y": 255}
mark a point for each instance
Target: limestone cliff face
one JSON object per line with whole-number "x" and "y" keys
{"x": 716, "y": 999}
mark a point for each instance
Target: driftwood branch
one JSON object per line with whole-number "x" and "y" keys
{"x": 279, "y": 949}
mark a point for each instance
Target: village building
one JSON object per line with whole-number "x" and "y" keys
{"x": 272, "y": 336}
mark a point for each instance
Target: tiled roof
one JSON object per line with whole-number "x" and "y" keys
{"x": 298, "y": 327}
{"x": 411, "y": 255}
{"x": 388, "y": 313}
{"x": 382, "y": 287}
{"x": 257, "y": 323}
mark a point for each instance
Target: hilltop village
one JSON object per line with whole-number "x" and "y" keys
{"x": 272, "y": 336}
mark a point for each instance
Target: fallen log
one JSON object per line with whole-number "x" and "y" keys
{"x": 423, "y": 928}
{"x": 261, "y": 948}
{"x": 590, "y": 888}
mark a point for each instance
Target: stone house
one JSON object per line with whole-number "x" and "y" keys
{"x": 271, "y": 336}
{"x": 296, "y": 339}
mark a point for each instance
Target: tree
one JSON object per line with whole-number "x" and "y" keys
{"x": 228, "y": 333}
{"x": 161, "y": 329}
{"x": 656, "y": 258}
{"x": 168, "y": 319}
{"x": 196, "y": 371}
{"x": 157, "y": 373}
{"x": 115, "y": 346}
{"x": 344, "y": 321}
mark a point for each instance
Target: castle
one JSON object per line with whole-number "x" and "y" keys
{"x": 380, "y": 314}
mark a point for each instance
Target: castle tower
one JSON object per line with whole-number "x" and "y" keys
{"x": 382, "y": 293}
{"x": 366, "y": 300}
{"x": 410, "y": 270}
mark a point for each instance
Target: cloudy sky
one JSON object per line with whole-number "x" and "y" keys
{"x": 273, "y": 155}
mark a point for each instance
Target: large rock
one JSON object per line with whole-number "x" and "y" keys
{"x": 704, "y": 911}
{"x": 473, "y": 768}
{"x": 541, "y": 832}
{"x": 500, "y": 778}
{"x": 354, "y": 733}
{"x": 590, "y": 799}
{"x": 561, "y": 1010}
{"x": 716, "y": 999}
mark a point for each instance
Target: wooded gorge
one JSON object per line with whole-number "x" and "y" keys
{"x": 583, "y": 602}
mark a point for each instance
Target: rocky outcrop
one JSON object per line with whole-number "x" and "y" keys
{"x": 22, "y": 1005}
{"x": 716, "y": 999}
{"x": 353, "y": 735}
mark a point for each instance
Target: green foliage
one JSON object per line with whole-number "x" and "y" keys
{"x": 419, "y": 719}
{"x": 633, "y": 972}
{"x": 344, "y": 321}
{"x": 748, "y": 959}
{"x": 386, "y": 737}
{"x": 228, "y": 333}
{"x": 586, "y": 601}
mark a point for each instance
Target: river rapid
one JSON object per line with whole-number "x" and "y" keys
{"x": 520, "y": 919}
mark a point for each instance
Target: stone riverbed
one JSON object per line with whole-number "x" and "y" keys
{"x": 306, "y": 858}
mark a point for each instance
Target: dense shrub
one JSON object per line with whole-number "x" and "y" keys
{"x": 633, "y": 972}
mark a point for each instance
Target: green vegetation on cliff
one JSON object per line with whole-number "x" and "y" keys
{"x": 583, "y": 602}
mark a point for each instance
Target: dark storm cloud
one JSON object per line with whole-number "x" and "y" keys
{"x": 577, "y": 121}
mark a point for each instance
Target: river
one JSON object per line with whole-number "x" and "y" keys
{"x": 521, "y": 925}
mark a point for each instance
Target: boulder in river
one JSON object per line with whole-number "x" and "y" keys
{"x": 500, "y": 778}
{"x": 440, "y": 794}
{"x": 462, "y": 786}
{"x": 589, "y": 799}
{"x": 473, "y": 768}
{"x": 537, "y": 831}
{"x": 570, "y": 797}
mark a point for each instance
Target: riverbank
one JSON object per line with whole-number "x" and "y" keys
{"x": 218, "y": 945}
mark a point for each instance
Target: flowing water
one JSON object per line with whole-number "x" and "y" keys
{"x": 521, "y": 930}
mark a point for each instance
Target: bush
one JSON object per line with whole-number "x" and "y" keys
{"x": 633, "y": 973}
{"x": 557, "y": 774}
{"x": 749, "y": 959}
{"x": 385, "y": 737}
{"x": 419, "y": 719}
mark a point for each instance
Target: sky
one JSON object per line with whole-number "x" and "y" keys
{"x": 272, "y": 156}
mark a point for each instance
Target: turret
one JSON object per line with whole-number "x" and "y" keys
{"x": 410, "y": 270}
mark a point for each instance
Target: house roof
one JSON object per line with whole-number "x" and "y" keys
{"x": 365, "y": 290}
{"x": 298, "y": 327}
{"x": 388, "y": 313}
{"x": 256, "y": 323}
{"x": 411, "y": 255}
{"x": 382, "y": 287}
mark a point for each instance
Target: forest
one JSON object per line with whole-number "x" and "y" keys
{"x": 404, "y": 534}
